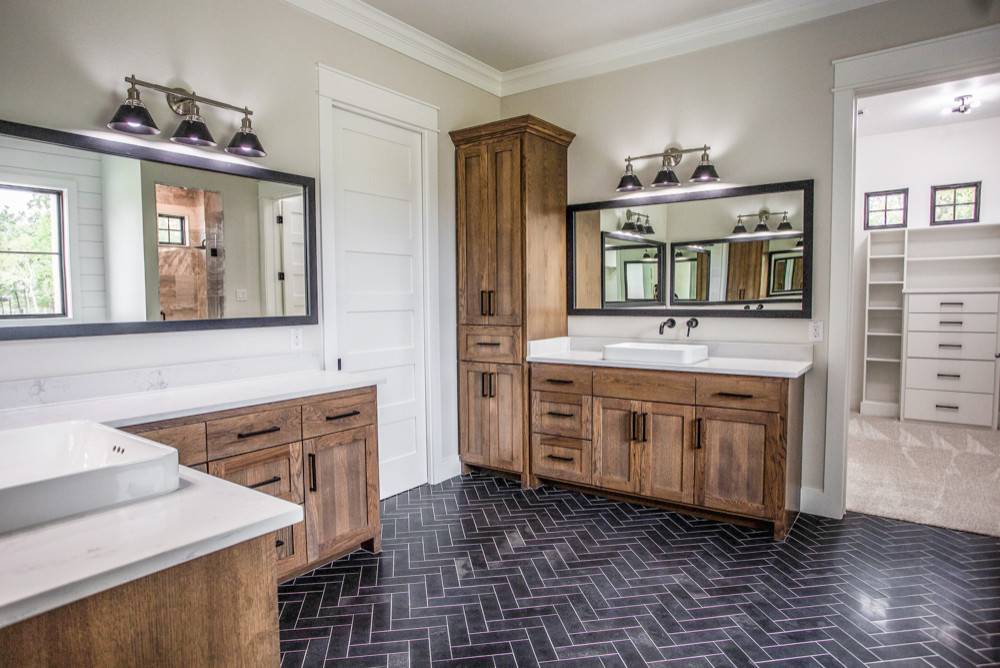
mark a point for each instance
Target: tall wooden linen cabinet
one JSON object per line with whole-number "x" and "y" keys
{"x": 511, "y": 229}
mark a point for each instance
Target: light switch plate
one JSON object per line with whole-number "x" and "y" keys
{"x": 815, "y": 331}
{"x": 241, "y": 294}
{"x": 296, "y": 338}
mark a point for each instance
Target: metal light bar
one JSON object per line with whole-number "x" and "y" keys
{"x": 180, "y": 95}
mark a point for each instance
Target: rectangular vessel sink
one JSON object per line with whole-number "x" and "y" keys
{"x": 656, "y": 353}
{"x": 68, "y": 468}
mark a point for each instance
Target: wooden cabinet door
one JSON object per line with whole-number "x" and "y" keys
{"x": 506, "y": 390}
{"x": 504, "y": 196}
{"x": 290, "y": 549}
{"x": 475, "y": 422}
{"x": 275, "y": 471}
{"x": 668, "y": 459}
{"x": 476, "y": 236}
{"x": 340, "y": 498}
{"x": 614, "y": 460}
{"x": 735, "y": 453}
{"x": 743, "y": 275}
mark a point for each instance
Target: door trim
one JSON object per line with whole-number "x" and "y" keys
{"x": 350, "y": 93}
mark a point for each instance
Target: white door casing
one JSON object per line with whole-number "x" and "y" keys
{"x": 294, "y": 287}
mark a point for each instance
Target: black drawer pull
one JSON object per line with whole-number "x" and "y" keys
{"x": 560, "y": 415}
{"x": 312, "y": 472}
{"x": 259, "y": 432}
{"x": 342, "y": 416}
{"x": 262, "y": 483}
{"x": 952, "y": 303}
{"x": 697, "y": 434}
{"x": 733, "y": 395}
{"x": 957, "y": 323}
{"x": 946, "y": 407}
{"x": 950, "y": 345}
{"x": 560, "y": 458}
{"x": 558, "y": 381}
{"x": 279, "y": 543}
{"x": 482, "y": 302}
{"x": 949, "y": 375}
{"x": 490, "y": 344}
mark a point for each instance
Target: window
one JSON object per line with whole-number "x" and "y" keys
{"x": 886, "y": 208}
{"x": 956, "y": 203}
{"x": 170, "y": 230}
{"x": 32, "y": 276}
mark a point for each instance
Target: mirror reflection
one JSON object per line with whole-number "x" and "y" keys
{"x": 88, "y": 237}
{"x": 742, "y": 252}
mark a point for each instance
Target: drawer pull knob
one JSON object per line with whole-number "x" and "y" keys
{"x": 734, "y": 395}
{"x": 957, "y": 323}
{"x": 945, "y": 407}
{"x": 956, "y": 346}
{"x": 561, "y": 415}
{"x": 259, "y": 432}
{"x": 489, "y": 344}
{"x": 560, "y": 458}
{"x": 956, "y": 376}
{"x": 264, "y": 483}
{"x": 279, "y": 543}
{"x": 342, "y": 416}
{"x": 558, "y": 381}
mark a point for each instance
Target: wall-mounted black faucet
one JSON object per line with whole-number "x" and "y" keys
{"x": 669, "y": 323}
{"x": 692, "y": 323}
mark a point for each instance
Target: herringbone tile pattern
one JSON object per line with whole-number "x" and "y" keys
{"x": 477, "y": 572}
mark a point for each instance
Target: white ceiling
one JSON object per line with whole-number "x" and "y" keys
{"x": 924, "y": 107}
{"x": 513, "y": 33}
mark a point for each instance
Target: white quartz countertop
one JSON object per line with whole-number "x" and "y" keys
{"x": 122, "y": 410}
{"x": 48, "y": 566}
{"x": 722, "y": 360}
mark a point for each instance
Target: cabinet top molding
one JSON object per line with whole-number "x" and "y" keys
{"x": 515, "y": 125}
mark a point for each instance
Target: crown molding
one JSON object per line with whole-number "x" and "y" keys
{"x": 388, "y": 31}
{"x": 756, "y": 19}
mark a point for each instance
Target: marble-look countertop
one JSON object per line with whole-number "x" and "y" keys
{"x": 569, "y": 350}
{"x": 122, "y": 410}
{"x": 48, "y": 566}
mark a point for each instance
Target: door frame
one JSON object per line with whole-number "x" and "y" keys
{"x": 345, "y": 91}
{"x": 961, "y": 55}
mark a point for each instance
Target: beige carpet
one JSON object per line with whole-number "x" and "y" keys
{"x": 923, "y": 472}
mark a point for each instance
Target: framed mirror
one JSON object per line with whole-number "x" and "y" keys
{"x": 103, "y": 237}
{"x": 742, "y": 251}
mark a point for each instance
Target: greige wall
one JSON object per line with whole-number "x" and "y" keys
{"x": 61, "y": 66}
{"x": 764, "y": 105}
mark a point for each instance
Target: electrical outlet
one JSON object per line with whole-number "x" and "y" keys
{"x": 815, "y": 331}
{"x": 241, "y": 294}
{"x": 296, "y": 338}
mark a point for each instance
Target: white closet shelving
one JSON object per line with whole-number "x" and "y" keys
{"x": 884, "y": 322}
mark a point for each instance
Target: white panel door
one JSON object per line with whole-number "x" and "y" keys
{"x": 378, "y": 262}
{"x": 293, "y": 255}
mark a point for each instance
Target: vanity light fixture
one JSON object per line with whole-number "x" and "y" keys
{"x": 762, "y": 227}
{"x": 637, "y": 223}
{"x": 740, "y": 227}
{"x": 784, "y": 225}
{"x": 133, "y": 117}
{"x": 761, "y": 230}
{"x": 666, "y": 178}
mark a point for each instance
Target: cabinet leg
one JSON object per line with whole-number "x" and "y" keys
{"x": 466, "y": 469}
{"x": 783, "y": 524}
{"x": 373, "y": 544}
{"x": 530, "y": 482}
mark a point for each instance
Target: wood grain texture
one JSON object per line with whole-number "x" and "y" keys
{"x": 501, "y": 345}
{"x": 189, "y": 439}
{"x": 588, "y": 259}
{"x": 217, "y": 610}
{"x": 253, "y": 431}
{"x": 559, "y": 414}
{"x": 563, "y": 378}
{"x": 507, "y": 126}
{"x": 742, "y": 392}
{"x": 474, "y": 413}
{"x": 668, "y": 462}
{"x": 615, "y": 463}
{"x": 505, "y": 208}
{"x": 476, "y": 235}
{"x": 508, "y": 418}
{"x": 561, "y": 458}
{"x": 642, "y": 385}
{"x": 281, "y": 464}
{"x": 746, "y": 263}
{"x": 338, "y": 414}
{"x": 290, "y": 549}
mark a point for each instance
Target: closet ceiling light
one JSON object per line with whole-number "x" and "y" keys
{"x": 133, "y": 117}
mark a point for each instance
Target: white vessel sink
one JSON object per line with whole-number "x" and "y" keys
{"x": 67, "y": 468}
{"x": 656, "y": 353}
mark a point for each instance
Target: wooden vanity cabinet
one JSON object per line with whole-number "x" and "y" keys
{"x": 511, "y": 240}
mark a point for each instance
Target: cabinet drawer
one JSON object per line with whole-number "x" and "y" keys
{"x": 954, "y": 407}
{"x": 561, "y": 458}
{"x": 338, "y": 414}
{"x": 950, "y": 375}
{"x": 642, "y": 385}
{"x": 947, "y": 345}
{"x": 290, "y": 546}
{"x": 561, "y": 414}
{"x": 950, "y": 322}
{"x": 953, "y": 303}
{"x": 253, "y": 431}
{"x": 490, "y": 344}
{"x": 189, "y": 439}
{"x": 745, "y": 392}
{"x": 562, "y": 378}
{"x": 275, "y": 471}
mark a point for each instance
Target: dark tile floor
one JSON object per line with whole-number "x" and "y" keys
{"x": 477, "y": 572}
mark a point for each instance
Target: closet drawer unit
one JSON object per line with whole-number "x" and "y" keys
{"x": 275, "y": 471}
{"x": 561, "y": 414}
{"x": 253, "y": 431}
{"x": 953, "y": 303}
{"x": 501, "y": 345}
{"x": 947, "y": 345}
{"x": 189, "y": 439}
{"x": 745, "y": 392}
{"x": 948, "y": 322}
{"x": 641, "y": 385}
{"x": 951, "y": 375}
{"x": 561, "y": 458}
{"x": 954, "y": 407}
{"x": 339, "y": 414}
{"x": 562, "y": 378}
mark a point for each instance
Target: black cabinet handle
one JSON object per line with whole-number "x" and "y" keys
{"x": 259, "y": 432}
{"x": 958, "y": 323}
{"x": 952, "y": 303}
{"x": 558, "y": 381}
{"x": 949, "y": 375}
{"x": 559, "y": 458}
{"x": 482, "y": 302}
{"x": 312, "y": 472}
{"x": 734, "y": 395}
{"x": 635, "y": 427}
{"x": 262, "y": 483}
{"x": 279, "y": 543}
{"x": 950, "y": 345}
{"x": 945, "y": 407}
{"x": 493, "y": 384}
{"x": 697, "y": 434}
{"x": 483, "y": 390}
{"x": 560, "y": 415}
{"x": 642, "y": 426}
{"x": 342, "y": 416}
{"x": 490, "y": 344}
{"x": 490, "y": 302}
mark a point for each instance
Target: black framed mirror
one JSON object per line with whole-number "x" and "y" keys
{"x": 744, "y": 251}
{"x": 104, "y": 237}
